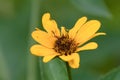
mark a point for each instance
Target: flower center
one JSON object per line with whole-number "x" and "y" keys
{"x": 65, "y": 46}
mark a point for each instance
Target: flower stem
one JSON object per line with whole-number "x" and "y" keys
{"x": 69, "y": 71}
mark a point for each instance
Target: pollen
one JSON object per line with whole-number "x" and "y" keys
{"x": 65, "y": 46}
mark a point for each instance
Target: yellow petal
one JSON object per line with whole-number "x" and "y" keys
{"x": 48, "y": 58}
{"x": 43, "y": 38}
{"x": 87, "y": 30}
{"x": 94, "y": 35}
{"x": 63, "y": 31}
{"x": 77, "y": 26}
{"x": 98, "y": 34}
{"x": 50, "y": 25}
{"x": 75, "y": 62}
{"x": 68, "y": 57}
{"x": 89, "y": 46}
{"x": 39, "y": 50}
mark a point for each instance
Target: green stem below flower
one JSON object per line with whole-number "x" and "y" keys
{"x": 69, "y": 71}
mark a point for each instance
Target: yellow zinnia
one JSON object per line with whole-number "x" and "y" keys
{"x": 64, "y": 44}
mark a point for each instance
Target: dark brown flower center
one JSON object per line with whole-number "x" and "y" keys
{"x": 65, "y": 46}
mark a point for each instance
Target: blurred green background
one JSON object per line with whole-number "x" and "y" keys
{"x": 18, "y": 18}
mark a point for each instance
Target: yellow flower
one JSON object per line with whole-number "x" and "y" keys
{"x": 64, "y": 44}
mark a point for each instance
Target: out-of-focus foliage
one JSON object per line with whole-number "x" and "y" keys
{"x": 92, "y": 7}
{"x": 112, "y": 75}
{"x": 18, "y": 18}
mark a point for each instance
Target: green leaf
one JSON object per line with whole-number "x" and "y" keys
{"x": 53, "y": 70}
{"x": 33, "y": 64}
{"x": 4, "y": 72}
{"x": 112, "y": 75}
{"x": 92, "y": 7}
